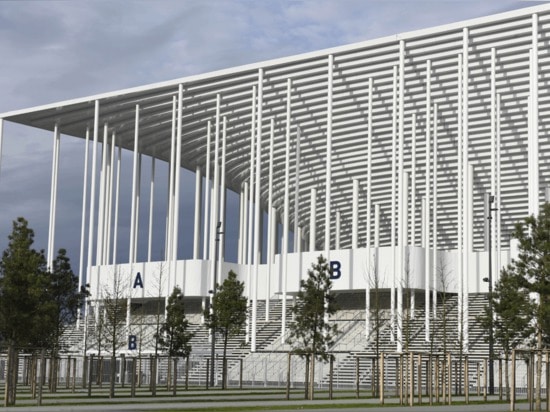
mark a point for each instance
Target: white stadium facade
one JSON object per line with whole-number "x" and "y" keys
{"x": 381, "y": 156}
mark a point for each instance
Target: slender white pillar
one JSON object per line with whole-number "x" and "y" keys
{"x": 221, "y": 253}
{"x": 53, "y": 195}
{"x": 284, "y": 252}
{"x": 215, "y": 199}
{"x": 354, "y": 214}
{"x": 245, "y": 223}
{"x": 533, "y": 140}
{"x": 102, "y": 209}
{"x": 197, "y": 227}
{"x": 207, "y": 189}
{"x": 369, "y": 264}
{"x": 460, "y": 213}
{"x": 413, "y": 180}
{"x": 151, "y": 210}
{"x": 337, "y": 237}
{"x": 250, "y": 213}
{"x": 297, "y": 190}
{"x": 91, "y": 223}
{"x": 426, "y": 222}
{"x": 131, "y": 257}
{"x": 434, "y": 217}
{"x": 257, "y": 210}
{"x": 312, "y": 219}
{"x": 117, "y": 198}
{"x": 393, "y": 241}
{"x": 498, "y": 191}
{"x": 401, "y": 225}
{"x": 328, "y": 165}
{"x": 270, "y": 220}
{"x": 110, "y": 186}
{"x": 466, "y": 191}
{"x": 81, "y": 280}
{"x": 171, "y": 178}
{"x": 177, "y": 179}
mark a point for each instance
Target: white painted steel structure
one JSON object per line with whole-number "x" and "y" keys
{"x": 377, "y": 155}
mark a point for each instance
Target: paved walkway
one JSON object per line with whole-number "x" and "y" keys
{"x": 216, "y": 400}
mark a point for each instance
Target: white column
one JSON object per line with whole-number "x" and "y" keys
{"x": 434, "y": 216}
{"x": 533, "y": 140}
{"x": 499, "y": 204}
{"x": 151, "y": 209}
{"x": 81, "y": 280}
{"x": 354, "y": 214}
{"x": 297, "y": 190}
{"x": 369, "y": 264}
{"x": 92, "y": 193}
{"x": 413, "y": 179}
{"x": 245, "y": 223}
{"x": 215, "y": 199}
{"x": 312, "y": 219}
{"x": 425, "y": 236}
{"x": 109, "y": 220}
{"x": 221, "y": 257}
{"x": 393, "y": 242}
{"x": 466, "y": 191}
{"x": 257, "y": 210}
{"x": 337, "y": 237}
{"x": 284, "y": 252}
{"x": 171, "y": 177}
{"x": 207, "y": 189}
{"x": 250, "y": 213}
{"x": 53, "y": 196}
{"x": 102, "y": 195}
{"x": 197, "y": 227}
{"x": 459, "y": 212}
{"x": 131, "y": 257}
{"x": 177, "y": 178}
{"x": 117, "y": 197}
{"x": 270, "y": 219}
{"x": 328, "y": 165}
{"x": 426, "y": 222}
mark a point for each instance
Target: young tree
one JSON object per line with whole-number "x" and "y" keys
{"x": 114, "y": 323}
{"x": 311, "y": 334}
{"x": 174, "y": 336}
{"x": 228, "y": 314}
{"x": 512, "y": 311}
{"x": 22, "y": 295}
{"x": 532, "y": 268}
{"x": 63, "y": 299}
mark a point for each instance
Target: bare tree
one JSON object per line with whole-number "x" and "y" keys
{"x": 115, "y": 306}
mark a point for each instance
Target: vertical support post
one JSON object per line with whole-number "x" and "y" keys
{"x": 328, "y": 165}
{"x": 381, "y": 378}
{"x": 207, "y": 189}
{"x": 354, "y": 215}
{"x": 197, "y": 226}
{"x": 426, "y": 222}
{"x": 286, "y": 209}
{"x": 53, "y": 195}
{"x": 271, "y": 221}
{"x": 312, "y": 218}
{"x": 434, "y": 212}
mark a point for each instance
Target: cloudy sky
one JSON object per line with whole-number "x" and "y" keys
{"x": 57, "y": 50}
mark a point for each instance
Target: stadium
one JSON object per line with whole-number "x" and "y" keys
{"x": 404, "y": 160}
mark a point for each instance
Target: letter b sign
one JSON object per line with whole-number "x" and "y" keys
{"x": 335, "y": 267}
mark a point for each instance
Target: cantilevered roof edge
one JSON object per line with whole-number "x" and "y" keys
{"x": 15, "y": 115}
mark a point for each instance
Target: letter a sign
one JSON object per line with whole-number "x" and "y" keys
{"x": 138, "y": 281}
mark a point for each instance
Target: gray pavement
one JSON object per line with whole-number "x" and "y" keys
{"x": 216, "y": 400}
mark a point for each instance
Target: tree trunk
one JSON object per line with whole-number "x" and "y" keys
{"x": 224, "y": 369}
{"x": 312, "y": 378}
{"x": 113, "y": 377}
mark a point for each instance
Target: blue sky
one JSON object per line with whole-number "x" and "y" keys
{"x": 58, "y": 50}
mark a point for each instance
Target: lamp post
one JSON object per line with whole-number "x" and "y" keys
{"x": 213, "y": 292}
{"x": 489, "y": 280}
